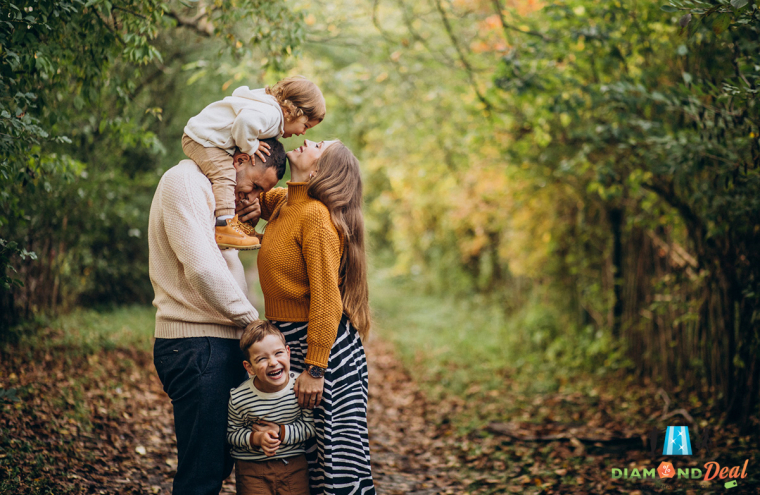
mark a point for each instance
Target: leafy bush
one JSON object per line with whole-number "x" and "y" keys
{"x": 81, "y": 126}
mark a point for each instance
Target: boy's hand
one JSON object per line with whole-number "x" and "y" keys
{"x": 270, "y": 442}
{"x": 265, "y": 148}
{"x": 248, "y": 211}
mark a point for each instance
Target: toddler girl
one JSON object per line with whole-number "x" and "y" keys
{"x": 290, "y": 107}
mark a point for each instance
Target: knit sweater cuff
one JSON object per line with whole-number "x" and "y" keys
{"x": 182, "y": 329}
{"x": 317, "y": 355}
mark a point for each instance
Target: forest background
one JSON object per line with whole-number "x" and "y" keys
{"x": 580, "y": 177}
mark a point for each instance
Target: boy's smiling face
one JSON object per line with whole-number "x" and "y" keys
{"x": 269, "y": 363}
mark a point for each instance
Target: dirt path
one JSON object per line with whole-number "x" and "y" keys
{"x": 98, "y": 422}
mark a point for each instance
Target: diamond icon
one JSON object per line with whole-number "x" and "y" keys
{"x": 677, "y": 441}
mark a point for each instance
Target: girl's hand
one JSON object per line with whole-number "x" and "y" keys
{"x": 248, "y": 211}
{"x": 309, "y": 390}
{"x": 265, "y": 148}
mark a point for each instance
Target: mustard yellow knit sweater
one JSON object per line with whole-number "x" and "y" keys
{"x": 299, "y": 264}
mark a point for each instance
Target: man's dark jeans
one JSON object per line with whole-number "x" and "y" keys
{"x": 198, "y": 373}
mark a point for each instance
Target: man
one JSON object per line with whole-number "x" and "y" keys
{"x": 202, "y": 309}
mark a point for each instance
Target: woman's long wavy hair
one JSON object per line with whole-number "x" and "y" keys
{"x": 338, "y": 185}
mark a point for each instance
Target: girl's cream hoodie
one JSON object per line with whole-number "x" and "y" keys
{"x": 238, "y": 120}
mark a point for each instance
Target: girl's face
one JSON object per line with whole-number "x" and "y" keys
{"x": 298, "y": 127}
{"x": 304, "y": 157}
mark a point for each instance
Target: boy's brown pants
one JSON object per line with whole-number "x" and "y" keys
{"x": 216, "y": 164}
{"x": 273, "y": 477}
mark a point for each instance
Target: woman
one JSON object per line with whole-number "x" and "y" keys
{"x": 313, "y": 273}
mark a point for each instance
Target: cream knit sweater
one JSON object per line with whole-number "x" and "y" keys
{"x": 200, "y": 290}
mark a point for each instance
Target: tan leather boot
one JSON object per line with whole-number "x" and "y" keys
{"x": 233, "y": 236}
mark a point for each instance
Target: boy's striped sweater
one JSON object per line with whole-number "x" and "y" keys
{"x": 249, "y": 405}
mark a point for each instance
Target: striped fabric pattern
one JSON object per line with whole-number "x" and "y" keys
{"x": 248, "y": 405}
{"x": 339, "y": 454}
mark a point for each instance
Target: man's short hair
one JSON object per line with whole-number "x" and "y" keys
{"x": 277, "y": 158}
{"x": 256, "y": 332}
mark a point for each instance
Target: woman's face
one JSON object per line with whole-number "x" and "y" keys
{"x": 304, "y": 157}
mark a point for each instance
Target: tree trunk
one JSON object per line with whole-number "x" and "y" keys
{"x": 615, "y": 216}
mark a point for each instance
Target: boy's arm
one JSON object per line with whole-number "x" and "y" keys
{"x": 239, "y": 433}
{"x": 300, "y": 430}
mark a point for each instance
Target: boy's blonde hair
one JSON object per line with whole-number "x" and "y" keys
{"x": 299, "y": 96}
{"x": 256, "y": 332}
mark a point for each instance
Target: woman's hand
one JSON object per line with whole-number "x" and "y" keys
{"x": 309, "y": 390}
{"x": 248, "y": 211}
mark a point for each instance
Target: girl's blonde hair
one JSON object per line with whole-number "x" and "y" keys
{"x": 299, "y": 96}
{"x": 338, "y": 185}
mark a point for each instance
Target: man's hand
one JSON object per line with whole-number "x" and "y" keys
{"x": 268, "y": 441}
{"x": 265, "y": 148}
{"x": 248, "y": 211}
{"x": 309, "y": 390}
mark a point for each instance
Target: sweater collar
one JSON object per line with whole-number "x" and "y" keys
{"x": 297, "y": 192}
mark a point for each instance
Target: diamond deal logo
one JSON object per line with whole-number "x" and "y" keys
{"x": 666, "y": 470}
{"x": 678, "y": 442}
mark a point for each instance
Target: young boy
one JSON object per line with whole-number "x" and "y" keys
{"x": 272, "y": 461}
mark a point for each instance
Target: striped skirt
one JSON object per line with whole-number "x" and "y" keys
{"x": 339, "y": 455}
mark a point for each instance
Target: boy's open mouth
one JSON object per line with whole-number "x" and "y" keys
{"x": 276, "y": 373}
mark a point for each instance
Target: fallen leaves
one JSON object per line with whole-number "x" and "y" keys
{"x": 103, "y": 425}
{"x": 85, "y": 424}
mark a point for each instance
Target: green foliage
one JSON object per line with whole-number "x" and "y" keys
{"x": 8, "y": 395}
{"x": 7, "y": 250}
{"x": 82, "y": 131}
{"x": 604, "y": 154}
{"x": 448, "y": 340}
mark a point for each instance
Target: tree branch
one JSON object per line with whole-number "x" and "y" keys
{"x": 136, "y": 14}
{"x": 462, "y": 58}
{"x": 445, "y": 60}
{"x": 113, "y": 32}
{"x": 204, "y": 29}
{"x": 507, "y": 27}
